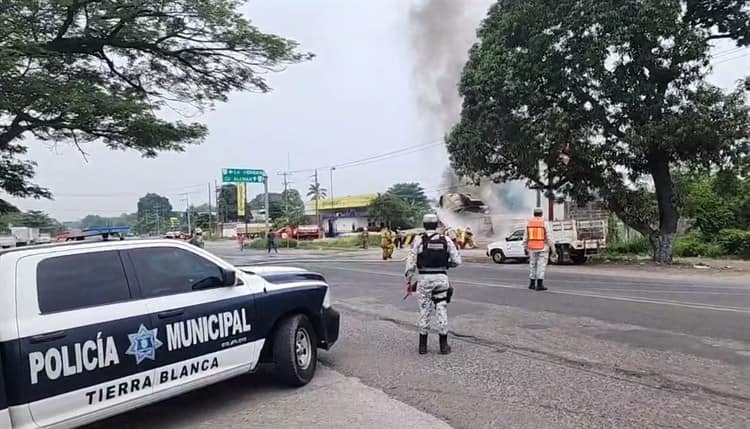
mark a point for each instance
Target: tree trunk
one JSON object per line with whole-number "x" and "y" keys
{"x": 666, "y": 198}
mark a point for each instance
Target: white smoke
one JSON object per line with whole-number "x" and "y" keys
{"x": 441, "y": 33}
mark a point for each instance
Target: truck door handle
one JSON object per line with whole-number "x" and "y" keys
{"x": 51, "y": 336}
{"x": 170, "y": 313}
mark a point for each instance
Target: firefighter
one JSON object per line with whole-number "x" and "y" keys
{"x": 365, "y": 238}
{"x": 386, "y": 243}
{"x": 469, "y": 239}
{"x": 459, "y": 238}
{"x": 538, "y": 243}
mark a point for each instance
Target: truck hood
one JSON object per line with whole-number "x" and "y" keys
{"x": 284, "y": 277}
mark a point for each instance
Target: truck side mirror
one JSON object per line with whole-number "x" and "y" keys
{"x": 228, "y": 277}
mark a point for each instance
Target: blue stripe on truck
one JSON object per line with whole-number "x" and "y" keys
{"x": 3, "y": 394}
{"x": 263, "y": 310}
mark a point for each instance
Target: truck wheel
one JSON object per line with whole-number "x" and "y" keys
{"x": 295, "y": 350}
{"x": 498, "y": 256}
{"x": 578, "y": 259}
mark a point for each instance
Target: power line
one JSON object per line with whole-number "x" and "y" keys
{"x": 727, "y": 52}
{"x": 732, "y": 59}
{"x": 373, "y": 158}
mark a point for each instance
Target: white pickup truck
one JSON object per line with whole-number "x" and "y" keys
{"x": 95, "y": 329}
{"x": 574, "y": 240}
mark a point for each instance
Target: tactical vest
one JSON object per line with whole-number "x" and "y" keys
{"x": 433, "y": 257}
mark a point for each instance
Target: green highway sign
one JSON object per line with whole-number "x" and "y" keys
{"x": 242, "y": 175}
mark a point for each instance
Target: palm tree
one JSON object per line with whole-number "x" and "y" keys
{"x": 316, "y": 192}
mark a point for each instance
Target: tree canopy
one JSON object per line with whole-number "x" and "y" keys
{"x": 393, "y": 211}
{"x": 84, "y": 71}
{"x": 32, "y": 219}
{"x": 412, "y": 193}
{"x": 589, "y": 98}
{"x": 715, "y": 201}
{"x": 154, "y": 212}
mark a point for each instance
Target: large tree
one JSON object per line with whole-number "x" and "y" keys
{"x": 393, "y": 211}
{"x": 227, "y": 205}
{"x": 84, "y": 71}
{"x": 413, "y": 194}
{"x": 588, "y": 98}
{"x": 154, "y": 212}
{"x": 32, "y": 219}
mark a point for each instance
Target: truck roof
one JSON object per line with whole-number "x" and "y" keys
{"x": 86, "y": 244}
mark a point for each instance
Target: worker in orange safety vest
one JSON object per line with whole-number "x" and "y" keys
{"x": 538, "y": 244}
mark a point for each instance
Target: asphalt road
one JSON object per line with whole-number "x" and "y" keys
{"x": 605, "y": 347}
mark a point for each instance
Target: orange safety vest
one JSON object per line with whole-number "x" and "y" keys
{"x": 536, "y": 231}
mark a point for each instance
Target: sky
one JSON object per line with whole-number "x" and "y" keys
{"x": 362, "y": 95}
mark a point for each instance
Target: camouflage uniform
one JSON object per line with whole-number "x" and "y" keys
{"x": 538, "y": 259}
{"x": 430, "y": 286}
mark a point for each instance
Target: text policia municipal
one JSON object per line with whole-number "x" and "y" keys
{"x": 102, "y": 352}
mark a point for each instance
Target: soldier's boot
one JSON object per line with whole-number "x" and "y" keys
{"x": 532, "y": 284}
{"x": 444, "y": 347}
{"x": 422, "y": 344}
{"x": 540, "y": 285}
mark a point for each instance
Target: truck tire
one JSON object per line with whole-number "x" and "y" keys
{"x": 295, "y": 350}
{"x": 498, "y": 256}
{"x": 578, "y": 258}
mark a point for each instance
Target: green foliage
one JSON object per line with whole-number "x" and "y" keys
{"x": 31, "y": 219}
{"x": 638, "y": 246}
{"x": 414, "y": 195}
{"x": 393, "y": 211}
{"x": 735, "y": 242}
{"x": 715, "y": 201}
{"x": 125, "y": 219}
{"x": 100, "y": 71}
{"x": 287, "y": 204}
{"x": 617, "y": 87}
{"x": 693, "y": 245}
{"x": 154, "y": 212}
{"x": 262, "y": 244}
{"x": 316, "y": 192}
{"x": 346, "y": 242}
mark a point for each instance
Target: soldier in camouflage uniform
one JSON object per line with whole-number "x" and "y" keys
{"x": 429, "y": 258}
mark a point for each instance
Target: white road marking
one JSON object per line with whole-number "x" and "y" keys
{"x": 682, "y": 304}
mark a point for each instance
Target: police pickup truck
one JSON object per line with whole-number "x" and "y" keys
{"x": 95, "y": 329}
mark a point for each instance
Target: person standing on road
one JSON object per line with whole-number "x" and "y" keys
{"x": 197, "y": 238}
{"x": 271, "y": 242}
{"x": 365, "y": 238}
{"x": 430, "y": 256}
{"x": 241, "y": 241}
{"x": 538, "y": 243}
{"x": 386, "y": 243}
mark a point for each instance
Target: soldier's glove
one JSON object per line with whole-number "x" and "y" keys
{"x": 450, "y": 294}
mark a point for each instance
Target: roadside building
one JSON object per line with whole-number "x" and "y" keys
{"x": 344, "y": 214}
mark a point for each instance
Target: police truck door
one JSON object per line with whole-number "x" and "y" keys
{"x": 207, "y": 325}
{"x": 86, "y": 344}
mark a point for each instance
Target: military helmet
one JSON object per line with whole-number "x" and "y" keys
{"x": 430, "y": 218}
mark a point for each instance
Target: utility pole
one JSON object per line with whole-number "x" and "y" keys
{"x": 156, "y": 214}
{"x": 187, "y": 200}
{"x": 286, "y": 197}
{"x": 209, "y": 207}
{"x": 317, "y": 198}
{"x": 219, "y": 226}
{"x": 268, "y": 213}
